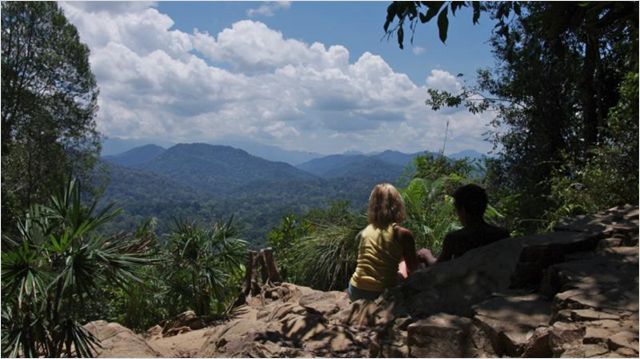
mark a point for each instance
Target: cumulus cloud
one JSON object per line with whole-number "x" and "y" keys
{"x": 250, "y": 80}
{"x": 443, "y": 80}
{"x": 268, "y": 8}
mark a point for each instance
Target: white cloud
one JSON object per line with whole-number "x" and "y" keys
{"x": 417, "y": 50}
{"x": 252, "y": 81}
{"x": 268, "y": 8}
{"x": 443, "y": 80}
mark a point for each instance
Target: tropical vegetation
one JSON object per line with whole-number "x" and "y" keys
{"x": 565, "y": 97}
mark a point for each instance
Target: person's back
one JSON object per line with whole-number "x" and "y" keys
{"x": 458, "y": 242}
{"x": 378, "y": 256}
{"x": 383, "y": 245}
{"x": 470, "y": 202}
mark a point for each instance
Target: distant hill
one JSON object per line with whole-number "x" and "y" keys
{"x": 397, "y": 158}
{"x": 387, "y": 165}
{"x": 219, "y": 169}
{"x": 136, "y": 156}
{"x": 143, "y": 195}
{"x": 212, "y": 182}
{"x": 272, "y": 153}
{"x": 470, "y": 154}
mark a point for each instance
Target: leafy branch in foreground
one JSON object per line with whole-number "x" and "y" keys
{"x": 52, "y": 269}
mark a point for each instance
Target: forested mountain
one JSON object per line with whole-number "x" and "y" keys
{"x": 469, "y": 154}
{"x": 357, "y": 165}
{"x": 143, "y": 195}
{"x": 219, "y": 169}
{"x": 207, "y": 182}
{"x": 136, "y": 156}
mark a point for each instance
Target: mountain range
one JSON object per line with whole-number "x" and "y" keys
{"x": 207, "y": 182}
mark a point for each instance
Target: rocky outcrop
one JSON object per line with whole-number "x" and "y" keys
{"x": 569, "y": 293}
{"x": 303, "y": 322}
{"x": 117, "y": 341}
{"x": 510, "y": 321}
{"x": 454, "y": 286}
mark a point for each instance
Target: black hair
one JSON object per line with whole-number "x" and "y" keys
{"x": 472, "y": 198}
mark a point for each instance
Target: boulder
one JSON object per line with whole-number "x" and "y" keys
{"x": 510, "y": 321}
{"x": 182, "y": 323}
{"x": 453, "y": 286}
{"x": 325, "y": 303}
{"x": 118, "y": 341}
{"x": 233, "y": 339}
{"x": 603, "y": 222}
{"x": 565, "y": 337}
{"x": 442, "y": 335}
{"x": 604, "y": 282}
{"x": 363, "y": 313}
{"x": 543, "y": 250}
{"x": 154, "y": 332}
{"x": 538, "y": 344}
{"x": 625, "y": 339}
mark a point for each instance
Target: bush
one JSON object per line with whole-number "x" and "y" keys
{"x": 53, "y": 269}
{"x": 203, "y": 267}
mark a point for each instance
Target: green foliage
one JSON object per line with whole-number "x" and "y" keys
{"x": 328, "y": 255}
{"x": 203, "y": 266}
{"x": 610, "y": 176}
{"x": 430, "y": 210}
{"x": 433, "y": 167}
{"x": 320, "y": 248}
{"x": 429, "y": 205}
{"x": 558, "y": 101}
{"x": 49, "y": 99}
{"x": 283, "y": 239}
{"x": 53, "y": 268}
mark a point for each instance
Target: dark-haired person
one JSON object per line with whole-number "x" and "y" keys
{"x": 470, "y": 202}
{"x": 383, "y": 245}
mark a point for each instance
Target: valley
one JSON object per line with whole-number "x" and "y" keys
{"x": 206, "y": 183}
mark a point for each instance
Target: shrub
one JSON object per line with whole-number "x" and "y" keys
{"x": 52, "y": 270}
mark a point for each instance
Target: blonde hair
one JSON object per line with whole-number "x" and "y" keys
{"x": 385, "y": 206}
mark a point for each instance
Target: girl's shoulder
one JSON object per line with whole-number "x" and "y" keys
{"x": 402, "y": 231}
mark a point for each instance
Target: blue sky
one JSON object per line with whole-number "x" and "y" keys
{"x": 356, "y": 25}
{"x": 312, "y": 76}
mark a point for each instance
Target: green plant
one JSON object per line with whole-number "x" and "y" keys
{"x": 53, "y": 268}
{"x": 283, "y": 239}
{"x": 328, "y": 256}
{"x": 203, "y": 265}
{"x": 430, "y": 210}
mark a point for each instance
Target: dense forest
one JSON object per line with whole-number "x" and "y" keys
{"x": 564, "y": 92}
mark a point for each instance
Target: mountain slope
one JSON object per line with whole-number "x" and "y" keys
{"x": 272, "y": 153}
{"x": 143, "y": 195}
{"x": 135, "y": 156}
{"x": 219, "y": 169}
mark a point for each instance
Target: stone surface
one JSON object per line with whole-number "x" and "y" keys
{"x": 624, "y": 339}
{"x": 511, "y": 321}
{"x": 182, "y": 323}
{"x": 441, "y": 335}
{"x": 590, "y": 314}
{"x": 600, "y": 222}
{"x": 538, "y": 344}
{"x": 453, "y": 286}
{"x": 543, "y": 250}
{"x": 118, "y": 341}
{"x": 565, "y": 337}
{"x": 606, "y": 282}
{"x": 609, "y": 242}
{"x": 325, "y": 303}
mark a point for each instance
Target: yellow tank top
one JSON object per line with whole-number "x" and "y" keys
{"x": 378, "y": 257}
